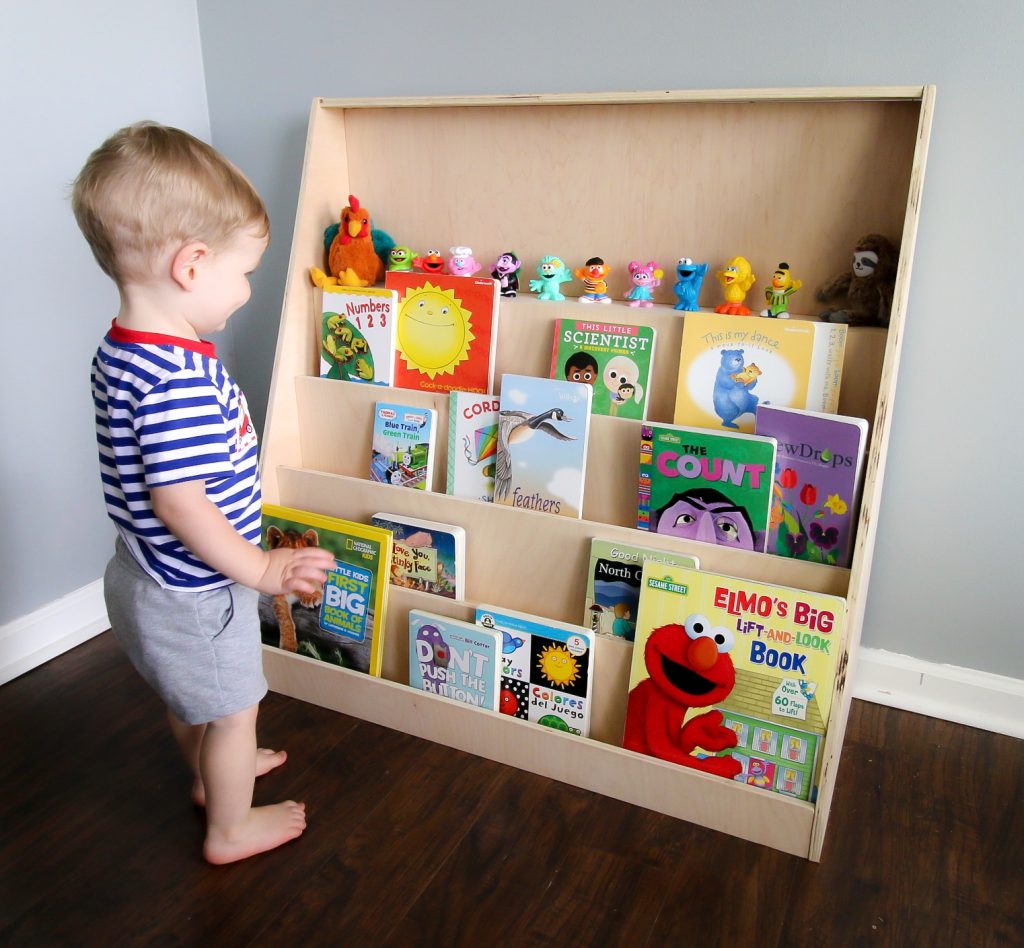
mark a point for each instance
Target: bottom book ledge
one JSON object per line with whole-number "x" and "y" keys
{"x": 590, "y": 763}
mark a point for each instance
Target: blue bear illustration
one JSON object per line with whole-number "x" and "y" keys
{"x": 732, "y": 398}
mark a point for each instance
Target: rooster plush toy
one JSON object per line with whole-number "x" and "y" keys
{"x": 354, "y": 250}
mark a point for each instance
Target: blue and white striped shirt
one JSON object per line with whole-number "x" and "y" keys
{"x": 167, "y": 412}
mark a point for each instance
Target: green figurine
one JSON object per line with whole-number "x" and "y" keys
{"x": 400, "y": 259}
{"x": 778, "y": 292}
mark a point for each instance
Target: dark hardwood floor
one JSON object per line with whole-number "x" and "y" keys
{"x": 411, "y": 843}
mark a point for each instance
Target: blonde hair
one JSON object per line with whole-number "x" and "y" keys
{"x": 148, "y": 187}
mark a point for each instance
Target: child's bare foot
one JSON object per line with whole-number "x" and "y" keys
{"x": 266, "y": 827}
{"x": 266, "y": 760}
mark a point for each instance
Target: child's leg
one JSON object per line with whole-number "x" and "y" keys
{"x": 190, "y": 738}
{"x": 227, "y": 765}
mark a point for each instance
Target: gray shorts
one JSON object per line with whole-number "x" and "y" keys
{"x": 200, "y": 651}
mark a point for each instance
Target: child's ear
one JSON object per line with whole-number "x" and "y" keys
{"x": 187, "y": 262}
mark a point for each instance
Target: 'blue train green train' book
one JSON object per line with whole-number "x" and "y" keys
{"x": 403, "y": 445}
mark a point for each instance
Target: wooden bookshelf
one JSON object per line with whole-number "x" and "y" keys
{"x": 794, "y": 175}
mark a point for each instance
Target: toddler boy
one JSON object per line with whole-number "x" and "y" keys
{"x": 179, "y": 229}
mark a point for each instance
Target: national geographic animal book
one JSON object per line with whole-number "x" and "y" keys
{"x": 342, "y": 623}
{"x": 356, "y": 329}
{"x": 454, "y": 659}
{"x": 712, "y": 486}
{"x": 403, "y": 449}
{"x": 733, "y": 677}
{"x": 615, "y": 359}
{"x": 728, "y": 365}
{"x": 613, "y": 584}
{"x": 472, "y": 445}
{"x": 543, "y": 426}
{"x": 547, "y": 669}
{"x": 447, "y": 330}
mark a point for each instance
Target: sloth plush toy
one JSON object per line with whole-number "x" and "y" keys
{"x": 864, "y": 294}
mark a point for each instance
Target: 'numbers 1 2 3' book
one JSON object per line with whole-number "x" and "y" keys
{"x": 356, "y": 328}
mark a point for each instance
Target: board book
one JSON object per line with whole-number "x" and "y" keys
{"x": 472, "y": 445}
{"x": 547, "y": 669}
{"x": 403, "y": 448}
{"x": 356, "y": 330}
{"x": 817, "y": 482}
{"x": 342, "y": 623}
{"x": 454, "y": 659}
{"x": 543, "y": 427}
{"x": 614, "y": 359}
{"x": 427, "y": 556}
{"x": 447, "y": 331}
{"x": 728, "y": 365}
{"x": 613, "y": 584}
{"x": 711, "y": 486}
{"x": 733, "y": 677}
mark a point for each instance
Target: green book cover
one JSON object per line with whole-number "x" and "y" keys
{"x": 711, "y": 486}
{"x": 614, "y": 359}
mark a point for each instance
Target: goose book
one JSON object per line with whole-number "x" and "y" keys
{"x": 356, "y": 327}
{"x": 543, "y": 427}
{"x": 454, "y": 659}
{"x": 427, "y": 556}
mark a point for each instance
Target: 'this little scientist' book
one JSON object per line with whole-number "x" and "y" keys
{"x": 712, "y": 486}
{"x": 733, "y": 677}
{"x": 343, "y": 622}
{"x": 817, "y": 482}
{"x": 454, "y": 659}
{"x": 728, "y": 365}
{"x": 543, "y": 425}
{"x": 403, "y": 445}
{"x": 547, "y": 669}
{"x": 427, "y": 556}
{"x": 356, "y": 327}
{"x": 615, "y": 359}
{"x": 447, "y": 330}
{"x": 613, "y": 584}
{"x": 472, "y": 445}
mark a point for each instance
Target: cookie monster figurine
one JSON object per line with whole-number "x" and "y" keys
{"x": 687, "y": 289}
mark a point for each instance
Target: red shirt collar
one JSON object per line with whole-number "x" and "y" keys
{"x": 132, "y": 337}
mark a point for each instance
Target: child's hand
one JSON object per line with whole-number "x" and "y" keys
{"x": 295, "y": 571}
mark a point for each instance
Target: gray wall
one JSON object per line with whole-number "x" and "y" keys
{"x": 70, "y": 74}
{"x": 948, "y": 543}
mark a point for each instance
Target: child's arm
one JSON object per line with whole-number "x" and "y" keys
{"x": 193, "y": 519}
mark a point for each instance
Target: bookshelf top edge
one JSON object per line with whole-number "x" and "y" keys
{"x": 814, "y": 94}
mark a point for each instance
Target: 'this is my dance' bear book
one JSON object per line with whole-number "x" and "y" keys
{"x": 728, "y": 365}
{"x": 733, "y": 677}
{"x": 454, "y": 659}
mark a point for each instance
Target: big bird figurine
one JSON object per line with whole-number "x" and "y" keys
{"x": 736, "y": 278}
{"x": 355, "y": 251}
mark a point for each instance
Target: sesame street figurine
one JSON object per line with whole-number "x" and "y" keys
{"x": 645, "y": 277}
{"x": 689, "y": 276}
{"x": 552, "y": 272}
{"x": 400, "y": 259}
{"x": 778, "y": 292}
{"x": 736, "y": 278}
{"x": 430, "y": 262}
{"x": 461, "y": 262}
{"x": 506, "y": 271}
{"x": 354, "y": 249}
{"x": 592, "y": 273}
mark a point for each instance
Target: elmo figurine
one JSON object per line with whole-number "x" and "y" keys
{"x": 354, "y": 250}
{"x": 689, "y": 667}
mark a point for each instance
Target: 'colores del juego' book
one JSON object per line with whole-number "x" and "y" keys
{"x": 614, "y": 359}
{"x": 712, "y": 486}
{"x": 356, "y": 328}
{"x": 343, "y": 622}
{"x": 733, "y": 677}
{"x": 403, "y": 445}
{"x": 454, "y": 659}
{"x": 543, "y": 425}
{"x": 728, "y": 365}
{"x": 817, "y": 482}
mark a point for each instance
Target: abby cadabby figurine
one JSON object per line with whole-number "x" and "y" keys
{"x": 645, "y": 277}
{"x": 461, "y": 262}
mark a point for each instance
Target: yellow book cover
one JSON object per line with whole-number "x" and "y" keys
{"x": 728, "y": 365}
{"x": 733, "y": 677}
{"x": 343, "y": 622}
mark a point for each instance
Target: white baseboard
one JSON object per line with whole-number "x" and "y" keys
{"x": 52, "y": 630}
{"x": 963, "y": 695}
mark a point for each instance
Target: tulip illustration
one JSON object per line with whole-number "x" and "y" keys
{"x": 808, "y": 494}
{"x": 787, "y": 478}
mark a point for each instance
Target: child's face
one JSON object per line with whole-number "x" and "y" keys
{"x": 224, "y": 285}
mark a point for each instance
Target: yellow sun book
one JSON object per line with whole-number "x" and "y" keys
{"x": 343, "y": 622}
{"x": 733, "y": 677}
{"x": 728, "y": 365}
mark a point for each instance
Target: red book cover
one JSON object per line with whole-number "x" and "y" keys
{"x": 447, "y": 330}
